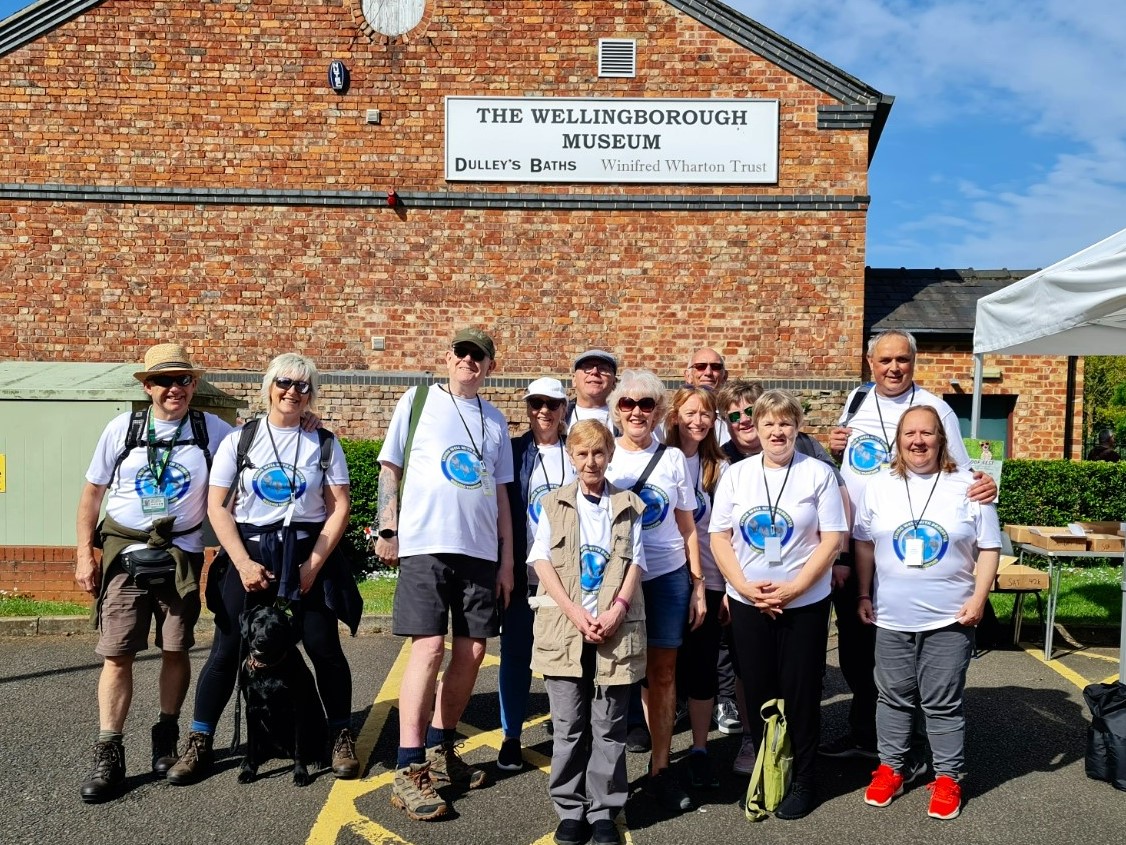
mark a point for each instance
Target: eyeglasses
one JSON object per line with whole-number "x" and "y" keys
{"x": 715, "y": 367}
{"x": 645, "y": 405}
{"x": 735, "y": 416}
{"x": 474, "y": 352}
{"x": 182, "y": 380}
{"x": 536, "y": 403}
{"x": 285, "y": 384}
{"x": 595, "y": 367}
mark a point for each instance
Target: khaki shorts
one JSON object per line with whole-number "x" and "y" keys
{"x": 127, "y": 611}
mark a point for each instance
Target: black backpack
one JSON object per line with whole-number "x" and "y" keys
{"x": 246, "y": 440}
{"x": 138, "y": 426}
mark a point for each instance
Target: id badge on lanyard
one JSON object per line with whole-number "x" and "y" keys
{"x": 913, "y": 552}
{"x": 773, "y": 549}
{"x": 154, "y": 506}
{"x": 488, "y": 485}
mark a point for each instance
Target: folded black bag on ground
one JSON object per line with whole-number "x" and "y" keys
{"x": 1106, "y": 737}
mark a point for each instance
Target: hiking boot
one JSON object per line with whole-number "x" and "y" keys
{"x": 664, "y": 789}
{"x": 446, "y": 766}
{"x": 510, "y": 758}
{"x": 887, "y": 784}
{"x": 413, "y": 793}
{"x": 946, "y": 798}
{"x": 700, "y": 773}
{"x": 848, "y": 746}
{"x": 637, "y": 740}
{"x": 726, "y": 718}
{"x": 798, "y": 803}
{"x": 195, "y": 763}
{"x": 108, "y": 773}
{"x": 345, "y": 765}
{"x": 745, "y": 760}
{"x": 165, "y": 735}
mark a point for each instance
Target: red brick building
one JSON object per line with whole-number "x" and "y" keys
{"x": 187, "y": 171}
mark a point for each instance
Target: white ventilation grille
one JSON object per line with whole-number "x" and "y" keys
{"x": 617, "y": 57}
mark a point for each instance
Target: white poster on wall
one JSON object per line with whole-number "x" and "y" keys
{"x": 564, "y": 139}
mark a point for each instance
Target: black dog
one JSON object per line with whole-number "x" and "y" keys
{"x": 284, "y": 716}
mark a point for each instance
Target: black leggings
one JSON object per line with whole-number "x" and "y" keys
{"x": 320, "y": 638}
{"x": 696, "y": 675}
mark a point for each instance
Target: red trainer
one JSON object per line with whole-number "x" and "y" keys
{"x": 886, "y": 784}
{"x": 946, "y": 798}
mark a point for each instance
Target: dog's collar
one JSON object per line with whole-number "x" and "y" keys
{"x": 253, "y": 664}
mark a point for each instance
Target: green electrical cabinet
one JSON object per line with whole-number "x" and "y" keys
{"x": 51, "y": 415}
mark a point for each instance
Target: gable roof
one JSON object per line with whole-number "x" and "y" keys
{"x": 929, "y": 302}
{"x": 861, "y": 106}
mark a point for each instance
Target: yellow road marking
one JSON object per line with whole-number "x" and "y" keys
{"x": 1055, "y": 665}
{"x": 340, "y": 811}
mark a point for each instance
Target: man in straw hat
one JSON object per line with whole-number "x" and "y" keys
{"x": 154, "y": 465}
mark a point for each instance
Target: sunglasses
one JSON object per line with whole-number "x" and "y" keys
{"x": 595, "y": 367}
{"x": 536, "y": 403}
{"x": 735, "y": 416}
{"x": 709, "y": 365}
{"x": 474, "y": 352}
{"x": 645, "y": 405}
{"x": 285, "y": 384}
{"x": 182, "y": 380}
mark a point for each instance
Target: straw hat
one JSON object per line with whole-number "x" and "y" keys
{"x": 167, "y": 358}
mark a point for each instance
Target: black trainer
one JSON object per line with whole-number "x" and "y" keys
{"x": 605, "y": 832}
{"x": 165, "y": 736}
{"x": 798, "y": 803}
{"x": 572, "y": 832}
{"x": 510, "y": 758}
{"x": 700, "y": 772}
{"x": 848, "y": 746}
{"x": 663, "y": 788}
{"x": 107, "y": 775}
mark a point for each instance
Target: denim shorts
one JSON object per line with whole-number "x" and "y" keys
{"x": 666, "y": 608}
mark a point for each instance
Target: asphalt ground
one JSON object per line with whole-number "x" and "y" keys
{"x": 1026, "y": 740}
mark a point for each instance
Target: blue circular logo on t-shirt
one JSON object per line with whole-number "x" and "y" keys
{"x": 867, "y": 454}
{"x": 935, "y": 540}
{"x": 175, "y": 482}
{"x": 592, "y": 566}
{"x": 656, "y": 506}
{"x": 756, "y": 524}
{"x": 274, "y": 483}
{"x": 535, "y": 501}
{"x": 461, "y": 467}
{"x": 701, "y": 506}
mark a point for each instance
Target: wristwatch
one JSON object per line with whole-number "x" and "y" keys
{"x": 388, "y": 533}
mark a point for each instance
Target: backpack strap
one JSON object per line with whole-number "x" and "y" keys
{"x": 199, "y": 434}
{"x": 857, "y": 400}
{"x": 326, "y": 438}
{"x": 134, "y": 437}
{"x": 649, "y": 467}
{"x": 416, "y": 413}
{"x": 242, "y": 459}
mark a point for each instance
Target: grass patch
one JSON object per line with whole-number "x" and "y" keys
{"x": 1090, "y": 596}
{"x": 378, "y": 592}
{"x": 17, "y": 605}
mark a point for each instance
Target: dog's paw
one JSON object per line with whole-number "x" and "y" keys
{"x": 247, "y": 774}
{"x": 301, "y": 776}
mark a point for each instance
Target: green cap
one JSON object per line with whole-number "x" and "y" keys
{"x": 478, "y": 338}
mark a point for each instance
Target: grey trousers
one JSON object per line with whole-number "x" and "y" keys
{"x": 588, "y": 754}
{"x": 924, "y": 669}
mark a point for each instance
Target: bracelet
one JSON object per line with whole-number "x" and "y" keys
{"x": 861, "y": 598}
{"x": 622, "y": 602}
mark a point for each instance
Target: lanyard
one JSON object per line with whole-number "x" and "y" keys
{"x": 478, "y": 451}
{"x": 155, "y": 466}
{"x": 543, "y": 466}
{"x": 772, "y": 507}
{"x": 699, "y": 469}
{"x": 879, "y": 413}
{"x": 296, "y": 453}
{"x": 915, "y": 522}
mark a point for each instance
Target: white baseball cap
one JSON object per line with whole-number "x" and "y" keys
{"x": 552, "y": 388}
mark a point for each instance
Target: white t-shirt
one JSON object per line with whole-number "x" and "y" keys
{"x": 667, "y": 490}
{"x": 552, "y": 468}
{"x": 872, "y": 442}
{"x": 751, "y": 498}
{"x": 713, "y": 580}
{"x": 292, "y": 473}
{"x": 183, "y": 482}
{"x": 595, "y": 532}
{"x": 602, "y": 414}
{"x": 460, "y": 456}
{"x": 952, "y": 528}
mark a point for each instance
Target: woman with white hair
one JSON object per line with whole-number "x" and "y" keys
{"x": 673, "y": 583}
{"x": 279, "y": 510}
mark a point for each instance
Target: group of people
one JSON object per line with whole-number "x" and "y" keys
{"x": 633, "y": 544}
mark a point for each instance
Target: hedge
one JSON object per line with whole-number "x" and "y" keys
{"x": 363, "y": 472}
{"x": 1059, "y": 492}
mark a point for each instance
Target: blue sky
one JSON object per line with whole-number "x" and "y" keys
{"x": 1006, "y": 146}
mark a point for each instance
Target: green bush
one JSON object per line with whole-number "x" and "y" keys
{"x": 1059, "y": 492}
{"x": 363, "y": 471}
